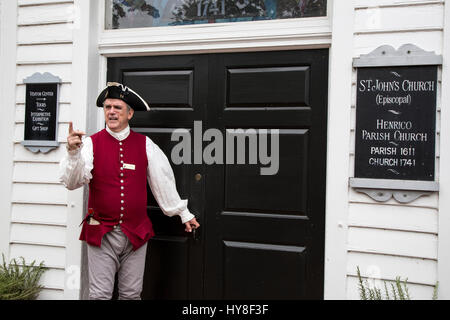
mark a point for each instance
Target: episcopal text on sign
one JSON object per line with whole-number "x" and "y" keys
{"x": 396, "y": 122}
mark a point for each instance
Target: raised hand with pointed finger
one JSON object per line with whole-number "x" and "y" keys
{"x": 74, "y": 138}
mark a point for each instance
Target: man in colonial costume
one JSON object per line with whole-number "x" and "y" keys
{"x": 117, "y": 163}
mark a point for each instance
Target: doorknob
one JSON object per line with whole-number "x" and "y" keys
{"x": 194, "y": 234}
{"x": 198, "y": 177}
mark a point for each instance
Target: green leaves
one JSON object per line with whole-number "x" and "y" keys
{"x": 399, "y": 290}
{"x": 20, "y": 281}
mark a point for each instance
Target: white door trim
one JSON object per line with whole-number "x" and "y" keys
{"x": 217, "y": 37}
{"x": 338, "y": 150}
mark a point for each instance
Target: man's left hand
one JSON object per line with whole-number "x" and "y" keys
{"x": 191, "y": 224}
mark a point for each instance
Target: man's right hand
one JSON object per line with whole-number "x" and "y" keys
{"x": 74, "y": 138}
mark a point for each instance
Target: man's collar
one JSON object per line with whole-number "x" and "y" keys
{"x": 121, "y": 135}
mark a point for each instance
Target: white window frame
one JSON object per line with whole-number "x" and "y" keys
{"x": 314, "y": 32}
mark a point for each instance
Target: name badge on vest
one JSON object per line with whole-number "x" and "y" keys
{"x": 129, "y": 166}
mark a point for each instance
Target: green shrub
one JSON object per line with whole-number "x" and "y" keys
{"x": 20, "y": 281}
{"x": 435, "y": 291}
{"x": 399, "y": 290}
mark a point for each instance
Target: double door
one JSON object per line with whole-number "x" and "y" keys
{"x": 246, "y": 136}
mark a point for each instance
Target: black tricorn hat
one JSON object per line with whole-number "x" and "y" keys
{"x": 116, "y": 90}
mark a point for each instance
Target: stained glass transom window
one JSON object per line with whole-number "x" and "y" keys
{"x": 121, "y": 14}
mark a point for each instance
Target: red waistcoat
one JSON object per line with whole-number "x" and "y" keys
{"x": 118, "y": 189}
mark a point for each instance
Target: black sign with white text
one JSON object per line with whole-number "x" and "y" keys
{"x": 396, "y": 122}
{"x": 41, "y": 111}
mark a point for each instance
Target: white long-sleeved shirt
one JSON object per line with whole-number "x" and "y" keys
{"x": 75, "y": 171}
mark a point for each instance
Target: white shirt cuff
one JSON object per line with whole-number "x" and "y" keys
{"x": 186, "y": 216}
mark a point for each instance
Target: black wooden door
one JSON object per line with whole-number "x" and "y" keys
{"x": 262, "y": 235}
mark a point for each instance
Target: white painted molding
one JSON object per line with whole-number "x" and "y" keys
{"x": 223, "y": 37}
{"x": 407, "y": 55}
{"x": 338, "y": 162}
{"x": 383, "y": 195}
{"x": 404, "y": 191}
{"x": 86, "y": 73}
{"x": 82, "y": 80}
{"x": 394, "y": 184}
{"x": 36, "y": 146}
{"x": 8, "y": 38}
{"x": 45, "y": 77}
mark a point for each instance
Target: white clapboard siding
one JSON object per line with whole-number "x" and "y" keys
{"x": 23, "y": 154}
{"x": 62, "y": 132}
{"x": 64, "y": 71}
{"x": 63, "y": 113}
{"x": 45, "y": 34}
{"x": 391, "y": 242}
{"x": 53, "y": 278}
{"x": 421, "y": 271}
{"x": 393, "y": 217}
{"x": 39, "y": 213}
{"x": 38, "y": 234}
{"x": 38, "y": 201}
{"x": 51, "y": 13}
{"x": 44, "y": 53}
{"x": 20, "y": 112}
{"x": 51, "y": 294}
{"x": 416, "y": 291}
{"x": 39, "y": 193}
{"x": 64, "y": 92}
{"x": 399, "y": 18}
{"x": 36, "y": 172}
{"x": 53, "y": 257}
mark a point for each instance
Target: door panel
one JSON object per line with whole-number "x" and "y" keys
{"x": 261, "y": 236}
{"x": 244, "y": 184}
{"x": 175, "y": 88}
{"x": 265, "y": 233}
{"x": 165, "y": 88}
{"x": 265, "y": 86}
{"x": 165, "y": 270}
{"x": 243, "y": 281}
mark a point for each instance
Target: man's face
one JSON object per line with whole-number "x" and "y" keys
{"x": 117, "y": 114}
